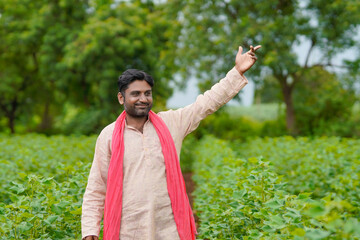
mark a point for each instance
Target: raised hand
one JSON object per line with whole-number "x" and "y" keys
{"x": 244, "y": 62}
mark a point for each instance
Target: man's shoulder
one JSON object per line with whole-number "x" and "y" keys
{"x": 167, "y": 115}
{"x": 107, "y": 131}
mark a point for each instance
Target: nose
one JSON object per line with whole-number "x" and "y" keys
{"x": 143, "y": 98}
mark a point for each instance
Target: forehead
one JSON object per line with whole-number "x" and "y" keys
{"x": 139, "y": 85}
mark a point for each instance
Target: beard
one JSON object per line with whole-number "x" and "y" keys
{"x": 138, "y": 110}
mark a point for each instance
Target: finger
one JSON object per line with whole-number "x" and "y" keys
{"x": 257, "y": 47}
{"x": 251, "y": 48}
{"x": 254, "y": 57}
{"x": 251, "y": 53}
{"x": 240, "y": 49}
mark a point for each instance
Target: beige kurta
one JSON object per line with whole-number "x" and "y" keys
{"x": 146, "y": 211}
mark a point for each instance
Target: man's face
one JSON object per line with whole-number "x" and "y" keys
{"x": 138, "y": 99}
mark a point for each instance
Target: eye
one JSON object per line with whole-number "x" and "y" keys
{"x": 148, "y": 94}
{"x": 135, "y": 94}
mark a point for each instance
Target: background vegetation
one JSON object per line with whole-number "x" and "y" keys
{"x": 60, "y": 59}
{"x": 285, "y": 168}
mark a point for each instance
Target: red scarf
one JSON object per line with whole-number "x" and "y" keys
{"x": 183, "y": 215}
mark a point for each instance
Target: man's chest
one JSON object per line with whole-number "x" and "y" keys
{"x": 142, "y": 150}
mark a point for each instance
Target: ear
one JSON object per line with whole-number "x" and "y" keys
{"x": 120, "y": 98}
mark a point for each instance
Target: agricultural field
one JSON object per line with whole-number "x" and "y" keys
{"x": 258, "y": 112}
{"x": 266, "y": 188}
{"x": 42, "y": 184}
{"x": 278, "y": 188}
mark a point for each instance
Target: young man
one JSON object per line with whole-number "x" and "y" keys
{"x": 135, "y": 179}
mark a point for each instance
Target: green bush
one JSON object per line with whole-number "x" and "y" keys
{"x": 322, "y": 105}
{"x": 274, "y": 128}
{"x": 87, "y": 121}
{"x": 224, "y": 126}
{"x": 186, "y": 159}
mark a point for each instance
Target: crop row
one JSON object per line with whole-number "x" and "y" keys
{"x": 322, "y": 166}
{"x": 42, "y": 184}
{"x": 271, "y": 188}
{"x": 239, "y": 198}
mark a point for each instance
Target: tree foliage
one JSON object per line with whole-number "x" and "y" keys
{"x": 113, "y": 40}
{"x": 60, "y": 59}
{"x": 72, "y": 53}
{"x": 323, "y": 104}
{"x": 213, "y": 30}
{"x": 33, "y": 35}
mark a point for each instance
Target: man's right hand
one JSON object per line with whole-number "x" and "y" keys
{"x": 91, "y": 238}
{"x": 244, "y": 62}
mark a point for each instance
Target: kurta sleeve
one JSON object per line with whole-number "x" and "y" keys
{"x": 94, "y": 197}
{"x": 185, "y": 120}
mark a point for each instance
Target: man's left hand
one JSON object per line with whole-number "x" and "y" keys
{"x": 244, "y": 62}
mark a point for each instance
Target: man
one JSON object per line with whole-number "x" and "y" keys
{"x": 135, "y": 179}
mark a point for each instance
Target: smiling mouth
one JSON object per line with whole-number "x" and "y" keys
{"x": 141, "y": 106}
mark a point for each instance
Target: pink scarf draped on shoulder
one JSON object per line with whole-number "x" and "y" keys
{"x": 183, "y": 215}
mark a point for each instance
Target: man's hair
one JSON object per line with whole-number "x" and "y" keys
{"x": 131, "y": 75}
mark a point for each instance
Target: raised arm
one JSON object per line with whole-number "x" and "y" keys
{"x": 188, "y": 118}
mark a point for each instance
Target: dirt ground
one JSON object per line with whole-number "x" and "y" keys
{"x": 190, "y": 187}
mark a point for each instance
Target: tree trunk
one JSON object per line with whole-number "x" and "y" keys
{"x": 290, "y": 112}
{"x": 11, "y": 115}
{"x": 11, "y": 123}
{"x": 46, "y": 121}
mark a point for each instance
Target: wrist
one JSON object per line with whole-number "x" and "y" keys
{"x": 239, "y": 70}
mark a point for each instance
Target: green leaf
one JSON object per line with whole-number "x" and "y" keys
{"x": 56, "y": 209}
{"x": 276, "y": 222}
{"x": 274, "y": 203}
{"x": 316, "y": 234}
{"x": 304, "y": 195}
{"x": 51, "y": 219}
{"x": 24, "y": 227}
{"x": 316, "y": 211}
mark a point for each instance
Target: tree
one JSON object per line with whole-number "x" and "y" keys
{"x": 61, "y": 53}
{"x": 212, "y": 31}
{"x": 13, "y": 82}
{"x": 33, "y": 34}
{"x": 324, "y": 104}
{"x": 115, "y": 38}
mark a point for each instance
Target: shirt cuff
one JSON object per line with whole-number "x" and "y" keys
{"x": 238, "y": 81}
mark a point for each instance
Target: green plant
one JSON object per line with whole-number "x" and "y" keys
{"x": 326, "y": 165}
{"x": 245, "y": 199}
{"x": 43, "y": 180}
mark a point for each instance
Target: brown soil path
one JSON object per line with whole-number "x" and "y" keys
{"x": 190, "y": 187}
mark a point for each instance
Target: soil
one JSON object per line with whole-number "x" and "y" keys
{"x": 190, "y": 187}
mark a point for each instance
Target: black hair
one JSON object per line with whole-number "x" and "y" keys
{"x": 131, "y": 75}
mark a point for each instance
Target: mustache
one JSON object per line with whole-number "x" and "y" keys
{"x": 142, "y": 104}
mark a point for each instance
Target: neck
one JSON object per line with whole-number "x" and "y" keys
{"x": 137, "y": 123}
